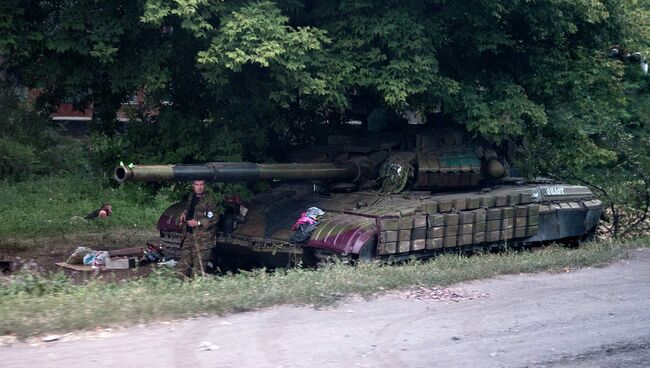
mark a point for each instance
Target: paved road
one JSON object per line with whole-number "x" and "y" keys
{"x": 586, "y": 318}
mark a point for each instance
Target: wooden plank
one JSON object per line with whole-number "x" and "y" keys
{"x": 135, "y": 251}
{"x": 83, "y": 268}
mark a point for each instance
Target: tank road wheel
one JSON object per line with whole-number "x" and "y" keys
{"x": 368, "y": 251}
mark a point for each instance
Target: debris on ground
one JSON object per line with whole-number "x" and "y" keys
{"x": 207, "y": 345}
{"x": 51, "y": 338}
{"x": 87, "y": 259}
{"x": 440, "y": 294}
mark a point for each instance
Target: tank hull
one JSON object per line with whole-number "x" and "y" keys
{"x": 411, "y": 224}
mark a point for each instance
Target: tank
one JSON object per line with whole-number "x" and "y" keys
{"x": 385, "y": 196}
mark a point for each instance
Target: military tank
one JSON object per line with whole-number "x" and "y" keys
{"x": 385, "y": 196}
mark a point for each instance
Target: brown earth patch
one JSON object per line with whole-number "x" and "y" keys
{"x": 41, "y": 254}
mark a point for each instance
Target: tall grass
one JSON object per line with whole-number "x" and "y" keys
{"x": 34, "y": 305}
{"x": 48, "y": 205}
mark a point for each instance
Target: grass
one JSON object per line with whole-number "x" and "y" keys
{"x": 32, "y": 305}
{"x": 46, "y": 206}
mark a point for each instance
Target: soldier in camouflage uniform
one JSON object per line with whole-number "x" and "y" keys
{"x": 200, "y": 219}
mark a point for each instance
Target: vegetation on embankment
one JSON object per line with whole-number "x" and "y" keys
{"x": 31, "y": 305}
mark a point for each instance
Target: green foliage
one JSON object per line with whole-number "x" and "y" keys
{"x": 30, "y": 146}
{"x": 56, "y": 205}
{"x": 89, "y": 49}
{"x": 17, "y": 160}
{"x": 254, "y": 79}
{"x": 30, "y": 283}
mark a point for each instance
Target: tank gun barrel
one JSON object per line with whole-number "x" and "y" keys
{"x": 228, "y": 172}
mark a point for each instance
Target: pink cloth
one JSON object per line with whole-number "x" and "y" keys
{"x": 304, "y": 219}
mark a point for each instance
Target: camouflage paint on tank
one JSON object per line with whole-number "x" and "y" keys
{"x": 343, "y": 233}
{"x": 169, "y": 220}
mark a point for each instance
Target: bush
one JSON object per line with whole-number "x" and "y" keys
{"x": 18, "y": 160}
{"x": 30, "y": 146}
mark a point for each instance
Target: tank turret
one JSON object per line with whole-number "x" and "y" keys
{"x": 386, "y": 167}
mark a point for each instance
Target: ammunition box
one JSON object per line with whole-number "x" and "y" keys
{"x": 506, "y": 234}
{"x": 449, "y": 242}
{"x": 405, "y": 223}
{"x": 418, "y": 244}
{"x": 478, "y": 238}
{"x": 494, "y": 214}
{"x": 466, "y": 229}
{"x": 466, "y": 217}
{"x": 434, "y": 243}
{"x": 479, "y": 227}
{"x": 501, "y": 200}
{"x": 465, "y": 239}
{"x": 488, "y": 202}
{"x": 494, "y": 225}
{"x": 403, "y": 246}
{"x": 389, "y": 224}
{"x": 438, "y": 243}
{"x": 493, "y": 236}
{"x": 387, "y": 248}
{"x": 430, "y": 207}
{"x": 508, "y": 212}
{"x": 532, "y": 220}
{"x": 445, "y": 205}
{"x": 521, "y": 211}
{"x": 407, "y": 211}
{"x": 480, "y": 216}
{"x": 531, "y": 230}
{"x": 525, "y": 198}
{"x": 473, "y": 203}
{"x": 420, "y": 233}
{"x": 520, "y": 232}
{"x": 451, "y": 219}
{"x": 436, "y": 220}
{"x": 513, "y": 198}
{"x": 521, "y": 221}
{"x": 507, "y": 223}
{"x": 436, "y": 232}
{"x": 387, "y": 236}
{"x": 404, "y": 235}
{"x": 460, "y": 204}
{"x": 451, "y": 231}
{"x": 419, "y": 221}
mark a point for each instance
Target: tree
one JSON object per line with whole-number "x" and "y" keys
{"x": 246, "y": 79}
{"x": 86, "y": 51}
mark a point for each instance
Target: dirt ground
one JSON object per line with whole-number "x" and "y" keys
{"x": 594, "y": 317}
{"x": 43, "y": 254}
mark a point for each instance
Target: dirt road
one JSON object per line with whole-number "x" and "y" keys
{"x": 586, "y": 318}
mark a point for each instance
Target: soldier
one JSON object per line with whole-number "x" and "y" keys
{"x": 200, "y": 219}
